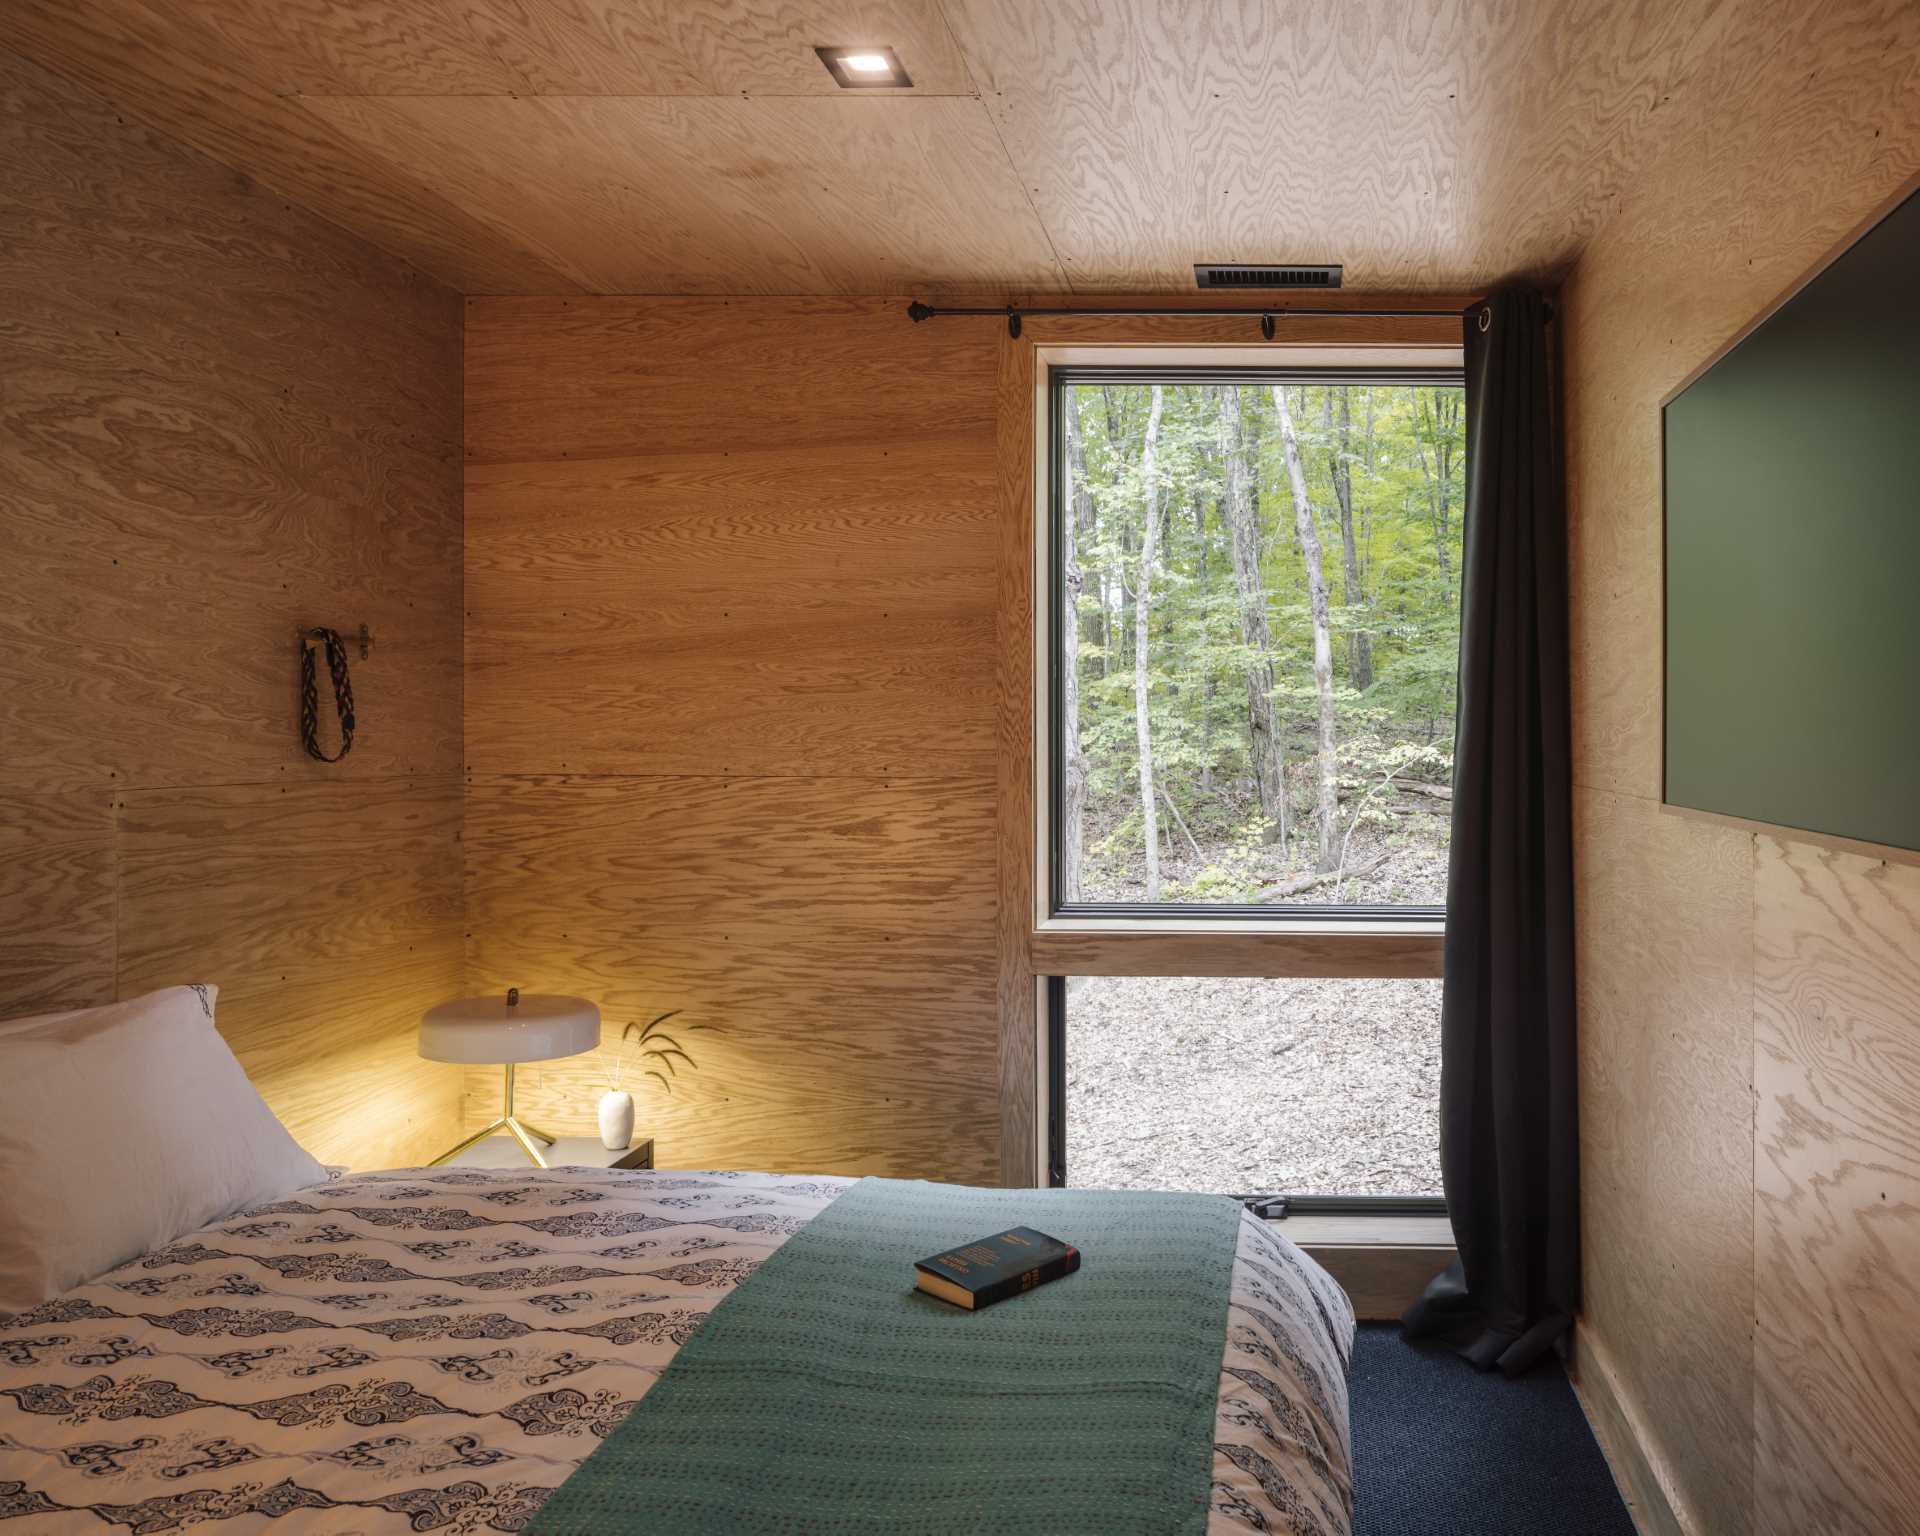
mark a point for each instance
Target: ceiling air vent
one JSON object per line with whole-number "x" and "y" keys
{"x": 1224, "y": 274}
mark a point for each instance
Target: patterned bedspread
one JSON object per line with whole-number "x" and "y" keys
{"x": 437, "y": 1349}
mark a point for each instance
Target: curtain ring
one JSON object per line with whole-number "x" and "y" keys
{"x": 1486, "y": 318}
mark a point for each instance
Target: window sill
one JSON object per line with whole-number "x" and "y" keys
{"x": 1289, "y": 947}
{"x": 1318, "y": 1229}
{"x": 1245, "y": 920}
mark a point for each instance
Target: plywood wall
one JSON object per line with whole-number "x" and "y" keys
{"x": 730, "y": 717}
{"x": 221, "y": 417}
{"x": 1750, "y": 1012}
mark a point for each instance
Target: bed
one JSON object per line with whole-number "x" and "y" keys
{"x": 439, "y": 1349}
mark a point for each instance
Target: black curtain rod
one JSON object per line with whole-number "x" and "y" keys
{"x": 1014, "y": 313}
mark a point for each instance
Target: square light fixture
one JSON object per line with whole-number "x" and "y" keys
{"x": 857, "y": 67}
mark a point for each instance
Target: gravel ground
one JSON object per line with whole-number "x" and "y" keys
{"x": 1253, "y": 1086}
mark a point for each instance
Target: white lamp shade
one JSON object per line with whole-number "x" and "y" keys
{"x": 540, "y": 1027}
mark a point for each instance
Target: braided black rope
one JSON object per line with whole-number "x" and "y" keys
{"x": 310, "y": 696}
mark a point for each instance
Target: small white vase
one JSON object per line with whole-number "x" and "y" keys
{"x": 616, "y": 1119}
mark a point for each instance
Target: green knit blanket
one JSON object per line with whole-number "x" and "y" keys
{"x": 826, "y": 1394}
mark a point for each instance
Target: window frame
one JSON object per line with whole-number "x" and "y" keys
{"x": 1051, "y": 573}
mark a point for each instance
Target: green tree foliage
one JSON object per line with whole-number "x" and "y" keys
{"x": 1384, "y": 472}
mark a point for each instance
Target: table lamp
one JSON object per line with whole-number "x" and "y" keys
{"x": 509, "y": 1030}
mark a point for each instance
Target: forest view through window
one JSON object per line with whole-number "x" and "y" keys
{"x": 1257, "y": 630}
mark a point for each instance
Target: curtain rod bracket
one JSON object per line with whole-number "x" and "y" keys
{"x": 1266, "y": 326}
{"x": 1013, "y": 322}
{"x": 916, "y": 311}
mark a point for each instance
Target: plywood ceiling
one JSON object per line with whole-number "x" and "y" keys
{"x": 698, "y": 146}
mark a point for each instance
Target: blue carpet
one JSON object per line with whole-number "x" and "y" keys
{"x": 1441, "y": 1449}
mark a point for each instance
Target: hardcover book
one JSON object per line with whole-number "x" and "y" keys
{"x": 994, "y": 1268}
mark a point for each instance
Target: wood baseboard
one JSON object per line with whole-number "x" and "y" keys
{"x": 1638, "y": 1469}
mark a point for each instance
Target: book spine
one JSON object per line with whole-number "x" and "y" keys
{"x": 1039, "y": 1275}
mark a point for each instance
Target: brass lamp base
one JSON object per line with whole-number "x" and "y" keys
{"x": 518, "y": 1129}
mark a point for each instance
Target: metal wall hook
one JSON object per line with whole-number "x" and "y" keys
{"x": 303, "y": 635}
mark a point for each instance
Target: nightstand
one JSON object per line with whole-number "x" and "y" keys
{"x": 567, "y": 1152}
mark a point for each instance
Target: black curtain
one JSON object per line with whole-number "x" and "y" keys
{"x": 1509, "y": 1137}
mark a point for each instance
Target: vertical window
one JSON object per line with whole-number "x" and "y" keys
{"x": 1254, "y": 624}
{"x": 1255, "y": 640}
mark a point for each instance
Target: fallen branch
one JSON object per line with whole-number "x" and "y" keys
{"x": 1181, "y": 821}
{"x": 1308, "y": 882}
{"x": 1421, "y": 787}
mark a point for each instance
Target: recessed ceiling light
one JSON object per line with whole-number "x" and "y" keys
{"x": 863, "y": 65}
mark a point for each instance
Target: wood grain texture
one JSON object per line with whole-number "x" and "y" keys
{"x": 1424, "y": 146}
{"x": 179, "y": 80}
{"x": 349, "y": 47}
{"x": 1106, "y": 147}
{"x": 220, "y": 418}
{"x": 778, "y": 195}
{"x": 1875, "y": 851}
{"x": 1624, "y": 1441}
{"x": 713, "y": 47}
{"x": 835, "y": 935}
{"x": 1836, "y": 1191}
{"x": 1664, "y": 966}
{"x": 764, "y": 659}
{"x": 185, "y": 481}
{"x": 810, "y": 591}
{"x": 1022, "y": 1130}
{"x": 1334, "y": 950}
{"x": 328, "y": 914}
{"x": 1348, "y": 332}
{"x": 56, "y": 902}
{"x": 1797, "y": 121}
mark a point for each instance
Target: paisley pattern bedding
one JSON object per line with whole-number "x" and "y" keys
{"x": 437, "y": 1349}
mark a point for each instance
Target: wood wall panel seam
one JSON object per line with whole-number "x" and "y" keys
{"x": 1884, "y": 853}
{"x": 1644, "y": 1482}
{"x": 836, "y": 934}
{"x": 1105, "y": 155}
{"x": 1836, "y": 1189}
{"x": 786, "y": 826}
{"x": 1020, "y": 1128}
{"x": 1765, "y": 1002}
{"x": 149, "y": 67}
{"x": 187, "y": 481}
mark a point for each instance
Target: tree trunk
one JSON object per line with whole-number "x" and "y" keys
{"x": 1078, "y": 521}
{"x": 1322, "y": 631}
{"x": 1264, "y": 750}
{"x": 1353, "y": 596}
{"x": 1437, "y": 489}
{"x": 1212, "y": 684}
{"x": 1142, "y": 616}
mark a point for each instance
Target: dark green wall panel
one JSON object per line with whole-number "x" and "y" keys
{"x": 1793, "y": 558}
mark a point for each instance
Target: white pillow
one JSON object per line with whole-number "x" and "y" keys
{"x": 121, "y": 1129}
